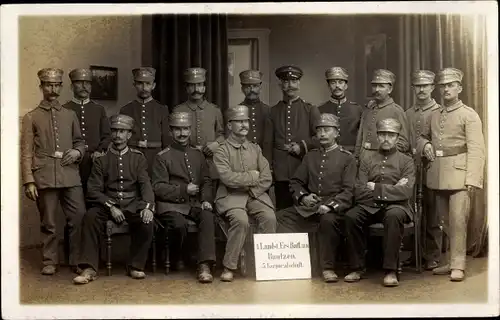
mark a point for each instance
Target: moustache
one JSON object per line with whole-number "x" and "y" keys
{"x": 196, "y": 92}
{"x": 244, "y": 129}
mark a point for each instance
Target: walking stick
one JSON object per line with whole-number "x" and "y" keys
{"x": 418, "y": 217}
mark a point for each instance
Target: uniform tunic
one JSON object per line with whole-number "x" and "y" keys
{"x": 151, "y": 126}
{"x": 208, "y": 126}
{"x": 258, "y": 112}
{"x": 418, "y": 117}
{"x": 94, "y": 125}
{"x": 47, "y": 132}
{"x": 349, "y": 114}
{"x": 367, "y": 135}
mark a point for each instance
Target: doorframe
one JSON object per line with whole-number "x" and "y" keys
{"x": 262, "y": 37}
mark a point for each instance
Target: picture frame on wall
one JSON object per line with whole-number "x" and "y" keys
{"x": 375, "y": 54}
{"x": 104, "y": 83}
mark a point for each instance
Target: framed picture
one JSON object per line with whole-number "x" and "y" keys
{"x": 104, "y": 83}
{"x": 375, "y": 50}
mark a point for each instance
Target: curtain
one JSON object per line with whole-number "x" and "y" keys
{"x": 434, "y": 42}
{"x": 187, "y": 41}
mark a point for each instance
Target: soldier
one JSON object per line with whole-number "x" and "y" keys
{"x": 289, "y": 133}
{"x": 322, "y": 188}
{"x": 251, "y": 81}
{"x": 94, "y": 123}
{"x": 349, "y": 115}
{"x": 151, "y": 133}
{"x": 208, "y": 132}
{"x": 418, "y": 116}
{"x": 382, "y": 194}
{"x": 183, "y": 189}
{"x": 245, "y": 177}
{"x": 119, "y": 188}
{"x": 453, "y": 142}
{"x": 382, "y": 107}
{"x": 51, "y": 146}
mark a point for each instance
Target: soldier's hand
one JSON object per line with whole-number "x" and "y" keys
{"x": 117, "y": 215}
{"x": 207, "y": 151}
{"x": 147, "y": 216}
{"x": 255, "y": 172}
{"x": 371, "y": 185}
{"x": 31, "y": 191}
{"x": 192, "y": 189}
{"x": 95, "y": 155}
{"x": 324, "y": 209}
{"x": 471, "y": 190}
{"x": 206, "y": 206}
{"x": 294, "y": 148}
{"x": 402, "y": 182}
{"x": 70, "y": 156}
{"x": 310, "y": 200}
{"x": 429, "y": 152}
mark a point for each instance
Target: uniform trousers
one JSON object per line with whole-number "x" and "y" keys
{"x": 177, "y": 227}
{"x": 453, "y": 207}
{"x": 357, "y": 220}
{"x": 283, "y": 195}
{"x": 433, "y": 235}
{"x": 85, "y": 169}
{"x": 73, "y": 206}
{"x": 93, "y": 227}
{"x": 239, "y": 226}
{"x": 328, "y": 225}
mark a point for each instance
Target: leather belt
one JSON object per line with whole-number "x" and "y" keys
{"x": 146, "y": 144}
{"x": 282, "y": 147}
{"x": 55, "y": 154}
{"x": 451, "y": 151}
{"x": 122, "y": 194}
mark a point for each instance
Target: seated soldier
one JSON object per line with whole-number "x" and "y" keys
{"x": 322, "y": 189}
{"x": 245, "y": 177}
{"x": 382, "y": 193}
{"x": 118, "y": 188}
{"x": 183, "y": 189}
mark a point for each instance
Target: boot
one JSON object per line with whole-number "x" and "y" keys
{"x": 443, "y": 270}
{"x": 353, "y": 276}
{"x": 330, "y": 276}
{"x": 204, "y": 274}
{"x": 86, "y": 276}
{"x": 49, "y": 270}
{"x": 227, "y": 275}
{"x": 457, "y": 275}
{"x": 391, "y": 279}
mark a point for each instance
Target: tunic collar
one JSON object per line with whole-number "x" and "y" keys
{"x": 452, "y": 107}
{"x": 297, "y": 98}
{"x": 339, "y": 102}
{"x": 193, "y": 106}
{"x": 47, "y": 105}
{"x": 178, "y": 146}
{"x": 388, "y": 152}
{"x": 385, "y": 103}
{"x": 330, "y": 148}
{"x": 80, "y": 102}
{"x": 237, "y": 144}
{"x": 426, "y": 106}
{"x": 118, "y": 153}
{"x": 145, "y": 100}
{"x": 247, "y": 102}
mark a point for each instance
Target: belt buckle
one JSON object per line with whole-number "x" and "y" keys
{"x": 368, "y": 145}
{"x": 143, "y": 143}
{"x": 439, "y": 153}
{"x": 58, "y": 154}
{"x": 86, "y": 146}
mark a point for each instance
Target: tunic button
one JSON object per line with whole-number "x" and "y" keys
{"x": 378, "y": 197}
{"x": 144, "y": 106}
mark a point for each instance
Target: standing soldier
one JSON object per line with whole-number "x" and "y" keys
{"x": 208, "y": 130}
{"x": 251, "y": 81}
{"x": 382, "y": 193}
{"x": 151, "y": 133}
{"x": 453, "y": 142}
{"x": 349, "y": 115}
{"x": 245, "y": 177}
{"x": 418, "y": 117}
{"x": 322, "y": 188}
{"x": 183, "y": 190}
{"x": 94, "y": 123}
{"x": 289, "y": 133}
{"x": 382, "y": 107}
{"x": 119, "y": 188}
{"x": 51, "y": 146}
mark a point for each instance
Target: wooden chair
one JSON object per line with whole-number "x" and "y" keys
{"x": 112, "y": 229}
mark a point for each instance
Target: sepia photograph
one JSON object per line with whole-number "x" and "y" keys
{"x": 271, "y": 160}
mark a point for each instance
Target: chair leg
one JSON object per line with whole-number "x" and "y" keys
{"x": 153, "y": 248}
{"x": 108, "y": 254}
{"x": 167, "y": 254}
{"x": 243, "y": 263}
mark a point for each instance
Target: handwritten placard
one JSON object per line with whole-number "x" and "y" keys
{"x": 282, "y": 256}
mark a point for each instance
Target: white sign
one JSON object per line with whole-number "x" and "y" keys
{"x": 282, "y": 256}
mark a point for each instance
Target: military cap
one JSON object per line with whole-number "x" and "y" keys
{"x": 448, "y": 75}
{"x": 50, "y": 75}
{"x": 421, "y": 77}
{"x": 144, "y": 74}
{"x": 121, "y": 121}
{"x": 195, "y": 75}
{"x": 328, "y": 120}
{"x": 251, "y": 77}
{"x": 238, "y": 112}
{"x": 336, "y": 73}
{"x": 289, "y": 73}
{"x": 180, "y": 119}
{"x": 80, "y": 75}
{"x": 383, "y": 76}
{"x": 389, "y": 125}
